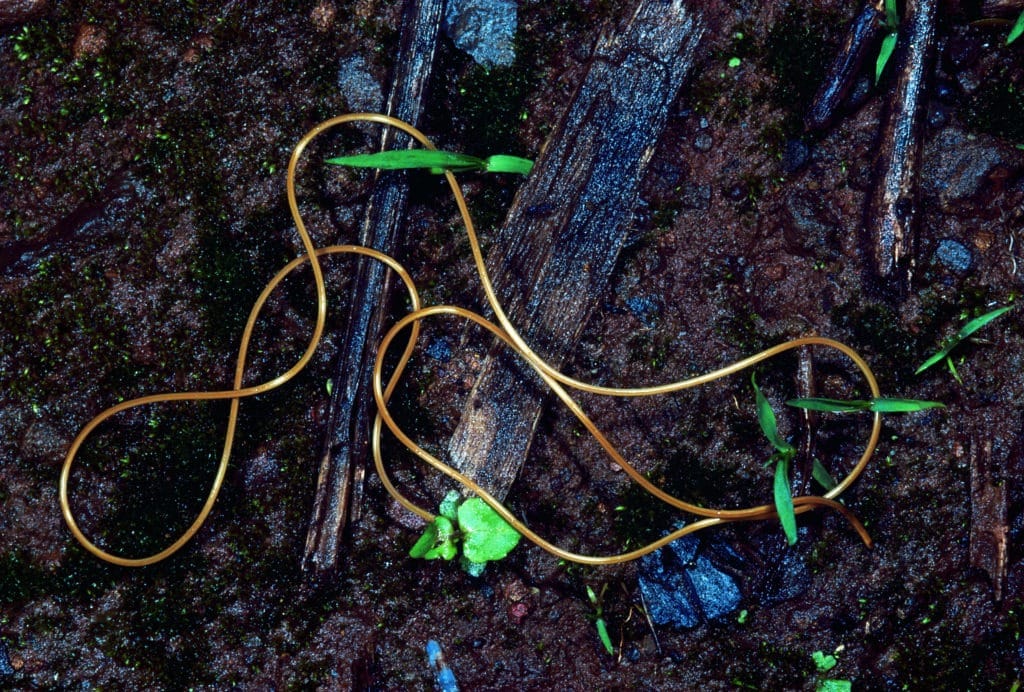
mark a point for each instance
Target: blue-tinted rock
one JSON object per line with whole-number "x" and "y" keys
{"x": 438, "y": 349}
{"x": 795, "y": 155}
{"x": 483, "y": 28}
{"x": 954, "y": 256}
{"x": 682, "y": 588}
{"x": 645, "y": 309}
{"x": 716, "y": 590}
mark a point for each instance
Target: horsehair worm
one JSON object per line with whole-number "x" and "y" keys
{"x": 503, "y": 330}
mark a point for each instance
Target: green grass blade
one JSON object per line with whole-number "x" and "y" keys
{"x": 769, "y": 425}
{"x": 784, "y": 499}
{"x": 830, "y": 405}
{"x": 884, "y": 53}
{"x": 411, "y": 158}
{"x": 1017, "y": 30}
{"x": 965, "y": 331}
{"x": 602, "y": 633}
{"x": 903, "y": 405}
{"x": 502, "y": 163}
{"x": 821, "y": 474}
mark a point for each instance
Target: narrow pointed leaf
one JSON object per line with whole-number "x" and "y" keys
{"x": 830, "y": 405}
{"x": 903, "y": 405}
{"x": 411, "y": 158}
{"x": 965, "y": 331}
{"x": 821, "y": 474}
{"x": 502, "y": 163}
{"x": 784, "y": 499}
{"x": 769, "y": 425}
{"x": 1016, "y": 30}
{"x": 884, "y": 53}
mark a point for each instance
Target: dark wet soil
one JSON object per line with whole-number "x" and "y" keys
{"x": 143, "y": 151}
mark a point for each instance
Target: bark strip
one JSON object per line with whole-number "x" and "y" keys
{"x": 560, "y": 242}
{"x": 891, "y": 211}
{"x": 988, "y": 509}
{"x": 861, "y": 37}
{"x": 346, "y": 436}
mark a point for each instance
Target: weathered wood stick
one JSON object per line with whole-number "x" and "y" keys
{"x": 1002, "y": 8}
{"x": 989, "y": 527}
{"x": 891, "y": 209}
{"x": 559, "y": 244}
{"x": 861, "y": 37}
{"x": 346, "y": 435}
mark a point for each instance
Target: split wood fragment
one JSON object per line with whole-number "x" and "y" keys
{"x": 346, "y": 436}
{"x": 560, "y": 242}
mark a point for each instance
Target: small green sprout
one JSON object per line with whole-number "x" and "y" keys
{"x": 823, "y": 663}
{"x": 784, "y": 454}
{"x": 435, "y": 161}
{"x": 822, "y": 476}
{"x": 892, "y": 23}
{"x": 602, "y": 628}
{"x": 873, "y": 405}
{"x": 965, "y": 331}
{"x": 1016, "y": 30}
{"x": 484, "y": 535}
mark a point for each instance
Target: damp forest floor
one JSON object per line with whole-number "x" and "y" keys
{"x": 143, "y": 149}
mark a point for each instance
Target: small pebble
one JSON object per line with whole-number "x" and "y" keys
{"x": 954, "y": 255}
{"x": 795, "y": 155}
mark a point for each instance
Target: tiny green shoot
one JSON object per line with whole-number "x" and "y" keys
{"x": 602, "y": 627}
{"x": 784, "y": 454}
{"x": 873, "y": 405}
{"x": 435, "y": 161}
{"x": 892, "y": 22}
{"x": 1016, "y": 30}
{"x": 822, "y": 476}
{"x": 965, "y": 331}
{"x": 824, "y": 663}
{"x": 483, "y": 534}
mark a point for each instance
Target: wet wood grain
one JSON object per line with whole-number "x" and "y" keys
{"x": 560, "y": 242}
{"x": 891, "y": 210}
{"x": 346, "y": 435}
{"x": 861, "y": 36}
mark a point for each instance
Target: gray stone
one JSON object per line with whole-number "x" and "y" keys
{"x": 954, "y": 255}
{"x": 483, "y": 28}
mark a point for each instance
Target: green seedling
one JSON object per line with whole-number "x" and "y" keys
{"x": 783, "y": 456}
{"x": 824, "y": 663}
{"x": 822, "y": 476}
{"x": 435, "y": 162}
{"x": 965, "y": 331}
{"x": 892, "y": 23}
{"x": 1016, "y": 30}
{"x": 602, "y": 628}
{"x": 873, "y": 405}
{"x": 483, "y": 534}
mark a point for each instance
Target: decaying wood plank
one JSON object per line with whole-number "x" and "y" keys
{"x": 346, "y": 435}
{"x": 989, "y": 456}
{"x": 560, "y": 242}
{"x": 891, "y": 209}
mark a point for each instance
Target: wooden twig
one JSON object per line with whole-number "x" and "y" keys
{"x": 345, "y": 440}
{"x": 988, "y": 506}
{"x": 860, "y": 38}
{"x": 891, "y": 209}
{"x": 559, "y": 244}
